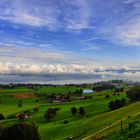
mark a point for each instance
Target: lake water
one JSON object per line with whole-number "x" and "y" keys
{"x": 50, "y": 78}
{"x": 56, "y": 78}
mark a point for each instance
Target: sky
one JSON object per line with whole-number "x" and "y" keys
{"x": 64, "y": 38}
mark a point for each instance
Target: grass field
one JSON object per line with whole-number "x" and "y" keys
{"x": 97, "y": 115}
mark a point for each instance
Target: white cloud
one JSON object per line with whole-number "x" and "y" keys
{"x": 75, "y": 14}
{"x": 86, "y": 73}
{"x": 19, "y": 12}
{"x": 41, "y": 56}
{"x": 9, "y": 67}
{"x": 36, "y": 61}
{"x": 30, "y": 61}
{"x": 126, "y": 30}
{"x": 129, "y": 33}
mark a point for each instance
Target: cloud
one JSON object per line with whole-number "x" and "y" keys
{"x": 41, "y": 55}
{"x": 128, "y": 32}
{"x": 25, "y": 61}
{"x": 42, "y": 39}
{"x": 91, "y": 48}
{"x": 62, "y": 73}
{"x": 114, "y": 22}
{"x": 124, "y": 30}
{"x": 129, "y": 35}
{"x": 19, "y": 12}
{"x": 39, "y": 61}
{"x": 69, "y": 15}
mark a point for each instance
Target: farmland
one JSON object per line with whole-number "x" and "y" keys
{"x": 98, "y": 116}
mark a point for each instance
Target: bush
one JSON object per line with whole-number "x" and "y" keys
{"x": 65, "y": 122}
{"x": 20, "y": 132}
{"x": 107, "y": 96}
{"x": 56, "y": 108}
{"x": 132, "y": 125}
{"x": 36, "y": 100}
{"x": 11, "y": 116}
{"x": 36, "y": 109}
{"x": 2, "y": 117}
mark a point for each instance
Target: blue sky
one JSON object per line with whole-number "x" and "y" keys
{"x": 70, "y": 36}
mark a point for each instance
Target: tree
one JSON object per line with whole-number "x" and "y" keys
{"x": 118, "y": 90}
{"x": 73, "y": 110}
{"x": 123, "y": 100}
{"x": 117, "y": 104}
{"x": 103, "y": 86}
{"x": 2, "y": 117}
{"x": 107, "y": 96}
{"x": 36, "y": 109}
{"x": 50, "y": 113}
{"x": 37, "y": 100}
{"x": 20, "y": 104}
{"x": 20, "y": 131}
{"x": 134, "y": 93}
{"x": 112, "y": 105}
{"x": 82, "y": 111}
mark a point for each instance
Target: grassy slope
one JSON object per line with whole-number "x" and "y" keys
{"x": 127, "y": 133}
{"x": 77, "y": 125}
{"x": 107, "y": 119}
{"x": 97, "y": 115}
{"x": 9, "y": 102}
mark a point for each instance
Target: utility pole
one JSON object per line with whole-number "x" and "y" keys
{"x": 121, "y": 126}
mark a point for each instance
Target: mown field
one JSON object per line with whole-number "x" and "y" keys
{"x": 97, "y": 115}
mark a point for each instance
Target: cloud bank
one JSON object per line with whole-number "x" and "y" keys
{"x": 100, "y": 38}
{"x": 27, "y": 61}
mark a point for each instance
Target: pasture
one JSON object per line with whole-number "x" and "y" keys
{"x": 96, "y": 118}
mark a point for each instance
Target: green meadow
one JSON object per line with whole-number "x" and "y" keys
{"x": 95, "y": 123}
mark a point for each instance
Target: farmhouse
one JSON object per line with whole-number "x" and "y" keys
{"x": 57, "y": 98}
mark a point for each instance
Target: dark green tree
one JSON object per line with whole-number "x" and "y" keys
{"x": 134, "y": 93}
{"x": 2, "y": 117}
{"x": 74, "y": 111}
{"x": 82, "y": 111}
{"x": 20, "y": 104}
{"x": 20, "y": 132}
{"x": 50, "y": 113}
